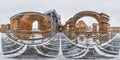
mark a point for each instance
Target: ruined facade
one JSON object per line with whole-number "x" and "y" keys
{"x": 4, "y": 27}
{"x": 23, "y": 22}
{"x": 101, "y": 18}
{"x": 94, "y": 29}
{"x": 81, "y": 26}
{"x": 55, "y": 19}
{"x": 27, "y": 23}
{"x": 115, "y": 29}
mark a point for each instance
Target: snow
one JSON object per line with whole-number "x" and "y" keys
{"x": 60, "y": 55}
{"x": 116, "y": 36}
{"x": 39, "y": 52}
{"x": 33, "y": 36}
{"x": 18, "y": 53}
{"x": 102, "y": 53}
{"x": 14, "y": 50}
{"x": 82, "y": 54}
{"x": 108, "y": 50}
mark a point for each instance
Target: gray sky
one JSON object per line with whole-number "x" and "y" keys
{"x": 66, "y": 8}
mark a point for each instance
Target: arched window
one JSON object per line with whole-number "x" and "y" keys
{"x": 68, "y": 26}
{"x": 35, "y": 25}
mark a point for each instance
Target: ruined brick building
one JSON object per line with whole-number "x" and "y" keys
{"x": 27, "y": 23}
{"x": 81, "y": 26}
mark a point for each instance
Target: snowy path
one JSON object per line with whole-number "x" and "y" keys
{"x": 103, "y": 53}
{"x": 112, "y": 52}
{"x": 57, "y": 45}
{"x": 116, "y": 36}
{"x": 17, "y": 53}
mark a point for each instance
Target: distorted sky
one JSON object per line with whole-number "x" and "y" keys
{"x": 65, "y": 8}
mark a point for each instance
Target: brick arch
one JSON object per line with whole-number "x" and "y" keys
{"x": 101, "y": 18}
{"x": 43, "y": 21}
{"x": 93, "y": 14}
{"x": 24, "y": 20}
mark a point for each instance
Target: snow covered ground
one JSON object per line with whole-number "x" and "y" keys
{"x": 45, "y": 58}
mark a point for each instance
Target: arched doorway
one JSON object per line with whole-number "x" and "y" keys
{"x": 35, "y": 25}
{"x": 101, "y": 18}
{"x": 28, "y": 22}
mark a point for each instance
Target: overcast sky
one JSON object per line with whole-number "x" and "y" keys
{"x": 65, "y": 8}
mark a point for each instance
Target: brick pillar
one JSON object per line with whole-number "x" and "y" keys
{"x": 103, "y": 27}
